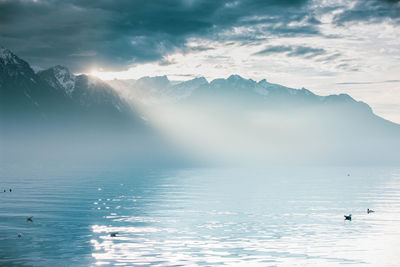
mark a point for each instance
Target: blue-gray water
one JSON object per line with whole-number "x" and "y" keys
{"x": 237, "y": 217}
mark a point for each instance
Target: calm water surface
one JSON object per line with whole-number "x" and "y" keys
{"x": 192, "y": 217}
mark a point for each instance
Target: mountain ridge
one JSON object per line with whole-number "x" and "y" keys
{"x": 234, "y": 119}
{"x": 173, "y": 92}
{"x": 56, "y": 117}
{"x": 57, "y": 93}
{"x": 60, "y": 78}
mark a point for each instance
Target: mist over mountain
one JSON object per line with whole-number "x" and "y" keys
{"x": 243, "y": 121}
{"x": 56, "y": 94}
{"x": 56, "y": 114}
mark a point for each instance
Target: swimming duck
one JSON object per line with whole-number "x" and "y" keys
{"x": 347, "y": 217}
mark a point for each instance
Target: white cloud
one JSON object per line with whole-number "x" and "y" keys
{"x": 360, "y": 52}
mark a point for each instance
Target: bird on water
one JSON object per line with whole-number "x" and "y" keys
{"x": 347, "y": 217}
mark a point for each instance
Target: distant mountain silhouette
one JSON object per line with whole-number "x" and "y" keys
{"x": 56, "y": 94}
{"x": 275, "y": 119}
{"x": 233, "y": 118}
{"x": 156, "y": 90}
{"x": 54, "y": 114}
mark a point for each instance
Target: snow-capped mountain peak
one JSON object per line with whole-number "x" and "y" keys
{"x": 10, "y": 60}
{"x": 65, "y": 78}
{"x": 12, "y": 66}
{"x": 59, "y": 77}
{"x": 7, "y": 56}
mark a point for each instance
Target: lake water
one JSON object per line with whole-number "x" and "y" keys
{"x": 190, "y": 217}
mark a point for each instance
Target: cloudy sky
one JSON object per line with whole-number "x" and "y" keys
{"x": 327, "y": 46}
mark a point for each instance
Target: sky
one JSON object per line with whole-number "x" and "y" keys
{"x": 326, "y": 46}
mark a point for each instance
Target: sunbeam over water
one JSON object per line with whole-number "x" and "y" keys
{"x": 199, "y": 133}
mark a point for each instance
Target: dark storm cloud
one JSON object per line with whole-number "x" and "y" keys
{"x": 372, "y": 11}
{"x": 114, "y": 34}
{"x": 293, "y": 51}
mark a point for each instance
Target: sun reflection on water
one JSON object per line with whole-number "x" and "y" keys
{"x": 199, "y": 226}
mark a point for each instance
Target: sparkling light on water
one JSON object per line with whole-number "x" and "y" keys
{"x": 273, "y": 217}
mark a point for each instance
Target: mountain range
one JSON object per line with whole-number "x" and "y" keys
{"x": 235, "y": 116}
{"x": 54, "y": 114}
{"x": 159, "y": 90}
{"x": 244, "y": 120}
{"x": 57, "y": 94}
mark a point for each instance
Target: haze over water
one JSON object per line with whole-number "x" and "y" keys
{"x": 191, "y": 217}
{"x": 199, "y": 133}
